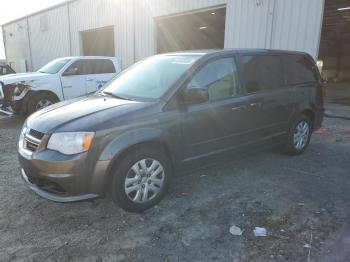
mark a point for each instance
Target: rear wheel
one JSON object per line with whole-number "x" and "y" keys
{"x": 40, "y": 101}
{"x": 141, "y": 179}
{"x": 299, "y": 135}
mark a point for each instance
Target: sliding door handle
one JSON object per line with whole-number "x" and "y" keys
{"x": 256, "y": 104}
{"x": 236, "y": 108}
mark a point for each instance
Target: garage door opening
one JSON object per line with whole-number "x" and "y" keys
{"x": 199, "y": 30}
{"x": 98, "y": 42}
{"x": 334, "y": 55}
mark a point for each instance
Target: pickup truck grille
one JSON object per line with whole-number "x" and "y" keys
{"x": 32, "y": 140}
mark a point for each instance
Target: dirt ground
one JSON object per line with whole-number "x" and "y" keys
{"x": 299, "y": 200}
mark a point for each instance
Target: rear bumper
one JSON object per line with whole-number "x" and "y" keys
{"x": 54, "y": 197}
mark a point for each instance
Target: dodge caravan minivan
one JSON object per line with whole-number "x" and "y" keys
{"x": 166, "y": 113}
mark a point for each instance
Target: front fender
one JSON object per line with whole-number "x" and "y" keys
{"x": 115, "y": 148}
{"x": 124, "y": 141}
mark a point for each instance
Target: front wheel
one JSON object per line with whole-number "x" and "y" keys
{"x": 39, "y": 101}
{"x": 141, "y": 179}
{"x": 299, "y": 135}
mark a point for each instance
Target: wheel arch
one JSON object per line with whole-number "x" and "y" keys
{"x": 117, "y": 149}
{"x": 33, "y": 93}
{"x": 310, "y": 114}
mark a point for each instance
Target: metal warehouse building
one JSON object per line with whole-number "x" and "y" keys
{"x": 134, "y": 29}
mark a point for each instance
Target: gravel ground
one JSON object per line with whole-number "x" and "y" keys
{"x": 294, "y": 198}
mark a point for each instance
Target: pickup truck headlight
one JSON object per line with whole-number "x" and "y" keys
{"x": 19, "y": 89}
{"x": 70, "y": 143}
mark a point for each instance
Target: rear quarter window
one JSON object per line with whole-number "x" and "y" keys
{"x": 262, "y": 72}
{"x": 299, "y": 70}
{"x": 104, "y": 66}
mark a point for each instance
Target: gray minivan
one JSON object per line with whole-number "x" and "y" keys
{"x": 166, "y": 113}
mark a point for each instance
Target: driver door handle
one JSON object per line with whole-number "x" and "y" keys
{"x": 90, "y": 79}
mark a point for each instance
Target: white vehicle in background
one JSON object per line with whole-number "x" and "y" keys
{"x": 62, "y": 79}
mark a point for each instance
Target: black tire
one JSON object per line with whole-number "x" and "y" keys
{"x": 17, "y": 109}
{"x": 291, "y": 148}
{"x": 35, "y": 99}
{"x": 121, "y": 171}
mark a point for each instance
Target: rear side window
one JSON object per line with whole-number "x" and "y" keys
{"x": 104, "y": 66}
{"x": 82, "y": 67}
{"x": 299, "y": 70}
{"x": 262, "y": 72}
{"x": 93, "y": 66}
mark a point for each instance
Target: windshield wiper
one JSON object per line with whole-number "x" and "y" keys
{"x": 115, "y": 96}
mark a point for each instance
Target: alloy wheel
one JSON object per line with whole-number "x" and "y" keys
{"x": 43, "y": 103}
{"x": 144, "y": 180}
{"x": 301, "y": 135}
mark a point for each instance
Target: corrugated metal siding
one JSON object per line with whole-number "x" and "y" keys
{"x": 280, "y": 24}
{"x": 161, "y": 7}
{"x": 297, "y": 25}
{"x": 147, "y": 10}
{"x": 276, "y": 24}
{"x": 248, "y": 23}
{"x": 17, "y": 44}
{"x": 51, "y": 43}
{"x": 102, "y": 13}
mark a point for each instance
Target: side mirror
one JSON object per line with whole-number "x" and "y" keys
{"x": 72, "y": 71}
{"x": 195, "y": 95}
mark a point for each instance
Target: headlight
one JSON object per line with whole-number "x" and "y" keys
{"x": 70, "y": 143}
{"x": 19, "y": 89}
{"x": 21, "y": 136}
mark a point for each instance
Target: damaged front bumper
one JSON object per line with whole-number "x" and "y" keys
{"x": 13, "y": 95}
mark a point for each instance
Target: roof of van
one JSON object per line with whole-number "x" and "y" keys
{"x": 236, "y": 50}
{"x": 90, "y": 57}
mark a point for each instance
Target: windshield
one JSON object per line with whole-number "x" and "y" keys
{"x": 151, "y": 78}
{"x": 54, "y": 66}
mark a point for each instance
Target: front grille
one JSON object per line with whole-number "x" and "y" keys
{"x": 32, "y": 140}
{"x": 31, "y": 146}
{"x": 36, "y": 134}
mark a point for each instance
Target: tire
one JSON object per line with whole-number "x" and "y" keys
{"x": 299, "y": 135}
{"x": 17, "y": 109}
{"x": 141, "y": 188}
{"x": 40, "y": 101}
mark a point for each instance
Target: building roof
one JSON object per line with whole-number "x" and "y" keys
{"x": 38, "y": 12}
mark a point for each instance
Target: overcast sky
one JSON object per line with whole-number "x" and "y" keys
{"x": 13, "y": 9}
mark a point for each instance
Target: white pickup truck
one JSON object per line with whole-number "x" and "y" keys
{"x": 61, "y": 79}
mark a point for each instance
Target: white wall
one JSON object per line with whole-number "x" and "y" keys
{"x": 91, "y": 14}
{"x": 16, "y": 45}
{"x": 277, "y": 24}
{"x": 51, "y": 43}
{"x": 148, "y": 10}
{"x": 297, "y": 25}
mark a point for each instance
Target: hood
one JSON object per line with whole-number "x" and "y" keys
{"x": 83, "y": 114}
{"x": 21, "y": 77}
